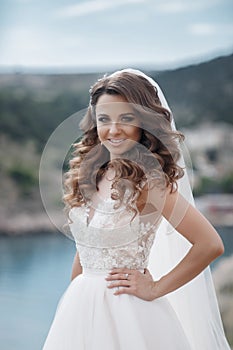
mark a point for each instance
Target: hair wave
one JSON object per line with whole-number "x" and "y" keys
{"x": 156, "y": 155}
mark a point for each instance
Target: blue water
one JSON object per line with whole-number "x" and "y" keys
{"x": 34, "y": 273}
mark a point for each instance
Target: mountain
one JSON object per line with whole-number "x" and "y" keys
{"x": 32, "y": 105}
{"x": 202, "y": 92}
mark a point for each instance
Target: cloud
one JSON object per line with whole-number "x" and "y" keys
{"x": 92, "y": 6}
{"x": 22, "y": 2}
{"x": 203, "y": 29}
{"x": 182, "y": 6}
{"x": 33, "y": 46}
{"x": 173, "y": 7}
{"x": 208, "y": 29}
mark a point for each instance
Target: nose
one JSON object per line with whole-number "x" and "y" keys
{"x": 114, "y": 128}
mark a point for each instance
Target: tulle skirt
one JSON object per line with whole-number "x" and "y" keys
{"x": 90, "y": 317}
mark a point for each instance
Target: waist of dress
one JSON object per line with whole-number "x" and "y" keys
{"x": 99, "y": 272}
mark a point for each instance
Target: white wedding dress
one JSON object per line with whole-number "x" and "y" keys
{"x": 89, "y": 316}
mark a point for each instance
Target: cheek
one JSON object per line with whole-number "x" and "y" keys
{"x": 101, "y": 131}
{"x": 134, "y": 132}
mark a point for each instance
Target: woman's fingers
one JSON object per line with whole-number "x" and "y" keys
{"x": 119, "y": 283}
{"x": 134, "y": 282}
{"x": 118, "y": 276}
{"x": 124, "y": 290}
{"x": 122, "y": 271}
{"x": 123, "y": 274}
{"x": 124, "y": 280}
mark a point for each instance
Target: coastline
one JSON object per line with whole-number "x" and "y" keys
{"x": 218, "y": 209}
{"x": 26, "y": 223}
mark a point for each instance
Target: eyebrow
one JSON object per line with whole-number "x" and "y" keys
{"x": 121, "y": 115}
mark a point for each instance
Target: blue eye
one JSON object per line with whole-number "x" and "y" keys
{"x": 124, "y": 119}
{"x": 103, "y": 119}
{"x": 127, "y": 118}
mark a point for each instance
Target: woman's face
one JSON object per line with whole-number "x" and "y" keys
{"x": 118, "y": 127}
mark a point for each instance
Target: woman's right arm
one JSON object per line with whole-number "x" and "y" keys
{"x": 76, "y": 268}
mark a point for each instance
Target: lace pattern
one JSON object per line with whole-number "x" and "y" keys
{"x": 111, "y": 238}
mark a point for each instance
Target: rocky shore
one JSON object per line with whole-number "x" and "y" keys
{"x": 217, "y": 208}
{"x": 26, "y": 223}
{"x": 223, "y": 281}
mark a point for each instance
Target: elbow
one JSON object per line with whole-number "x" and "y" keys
{"x": 221, "y": 249}
{"x": 217, "y": 248}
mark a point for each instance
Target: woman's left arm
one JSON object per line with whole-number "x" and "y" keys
{"x": 206, "y": 243}
{"x": 206, "y": 246}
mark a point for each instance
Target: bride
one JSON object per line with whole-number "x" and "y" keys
{"x": 140, "y": 277}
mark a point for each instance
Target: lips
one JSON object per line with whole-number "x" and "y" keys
{"x": 116, "y": 141}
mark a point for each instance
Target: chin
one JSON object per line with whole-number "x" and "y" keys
{"x": 118, "y": 151}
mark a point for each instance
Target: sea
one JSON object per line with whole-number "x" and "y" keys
{"x": 34, "y": 273}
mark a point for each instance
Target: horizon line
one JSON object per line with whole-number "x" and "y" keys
{"x": 91, "y": 69}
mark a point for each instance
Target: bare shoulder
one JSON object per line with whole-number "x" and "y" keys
{"x": 154, "y": 196}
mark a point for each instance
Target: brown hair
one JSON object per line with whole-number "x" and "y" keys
{"x": 156, "y": 154}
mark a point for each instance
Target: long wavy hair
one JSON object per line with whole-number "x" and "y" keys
{"x": 155, "y": 155}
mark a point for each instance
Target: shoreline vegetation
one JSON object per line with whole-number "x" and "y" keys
{"x": 25, "y": 223}
{"x": 218, "y": 208}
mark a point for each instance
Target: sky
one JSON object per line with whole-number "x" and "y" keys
{"x": 94, "y": 34}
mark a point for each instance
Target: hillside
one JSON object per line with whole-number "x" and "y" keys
{"x": 31, "y": 106}
{"x": 200, "y": 92}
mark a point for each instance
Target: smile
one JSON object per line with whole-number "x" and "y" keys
{"x": 116, "y": 141}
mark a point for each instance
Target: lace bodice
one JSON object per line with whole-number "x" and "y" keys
{"x": 112, "y": 237}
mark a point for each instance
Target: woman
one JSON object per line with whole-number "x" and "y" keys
{"x": 126, "y": 186}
